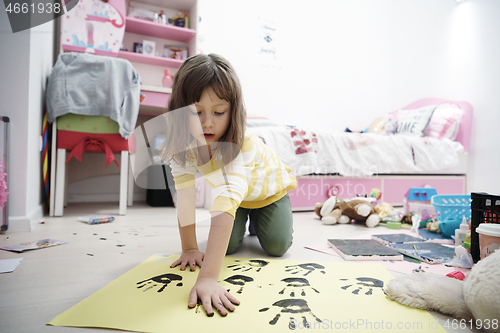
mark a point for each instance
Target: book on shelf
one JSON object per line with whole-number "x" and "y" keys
{"x": 363, "y": 249}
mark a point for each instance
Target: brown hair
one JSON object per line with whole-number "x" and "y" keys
{"x": 194, "y": 75}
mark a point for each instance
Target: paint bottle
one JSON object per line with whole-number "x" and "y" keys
{"x": 467, "y": 241}
{"x": 461, "y": 232}
{"x": 96, "y": 219}
{"x": 167, "y": 79}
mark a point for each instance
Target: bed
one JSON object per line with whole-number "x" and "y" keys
{"x": 349, "y": 164}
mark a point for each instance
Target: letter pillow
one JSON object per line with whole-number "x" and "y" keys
{"x": 414, "y": 122}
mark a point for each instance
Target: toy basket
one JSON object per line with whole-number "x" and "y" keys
{"x": 452, "y": 206}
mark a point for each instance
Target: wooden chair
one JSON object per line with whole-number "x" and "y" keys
{"x": 81, "y": 133}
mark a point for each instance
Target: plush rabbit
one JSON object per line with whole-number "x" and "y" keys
{"x": 478, "y": 297}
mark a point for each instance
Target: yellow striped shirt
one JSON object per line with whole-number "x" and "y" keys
{"x": 255, "y": 179}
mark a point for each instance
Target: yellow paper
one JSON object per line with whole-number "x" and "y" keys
{"x": 276, "y": 296}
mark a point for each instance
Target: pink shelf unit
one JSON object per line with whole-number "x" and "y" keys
{"x": 143, "y": 27}
{"x": 155, "y": 99}
{"x": 150, "y": 60}
{"x": 80, "y": 49}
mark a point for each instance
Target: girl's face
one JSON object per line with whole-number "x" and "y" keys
{"x": 212, "y": 113}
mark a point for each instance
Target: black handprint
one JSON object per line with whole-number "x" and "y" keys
{"x": 198, "y": 306}
{"x": 293, "y": 306}
{"x": 296, "y": 283}
{"x": 164, "y": 279}
{"x": 366, "y": 282}
{"x": 249, "y": 265}
{"x": 238, "y": 280}
{"x": 309, "y": 268}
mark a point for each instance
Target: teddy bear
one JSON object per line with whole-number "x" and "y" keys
{"x": 477, "y": 297}
{"x": 337, "y": 210}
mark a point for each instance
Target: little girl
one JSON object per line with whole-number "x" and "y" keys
{"x": 247, "y": 177}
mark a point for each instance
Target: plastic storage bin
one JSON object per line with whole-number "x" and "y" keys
{"x": 452, "y": 206}
{"x": 485, "y": 209}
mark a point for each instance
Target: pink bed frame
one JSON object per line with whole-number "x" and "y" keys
{"x": 311, "y": 190}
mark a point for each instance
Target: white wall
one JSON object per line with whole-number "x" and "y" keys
{"x": 342, "y": 63}
{"x": 26, "y": 59}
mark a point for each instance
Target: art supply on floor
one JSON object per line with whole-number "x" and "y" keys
{"x": 393, "y": 225}
{"x": 33, "y": 245}
{"x": 396, "y": 239}
{"x": 363, "y": 249}
{"x": 401, "y": 266}
{"x": 461, "y": 232}
{"x": 435, "y": 237}
{"x": 456, "y": 275}
{"x": 429, "y": 252}
{"x": 96, "y": 219}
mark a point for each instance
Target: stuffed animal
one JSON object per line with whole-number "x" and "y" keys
{"x": 384, "y": 210}
{"x": 337, "y": 210}
{"x": 390, "y": 126}
{"x": 477, "y": 297}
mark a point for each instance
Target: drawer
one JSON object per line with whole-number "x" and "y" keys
{"x": 311, "y": 190}
{"x": 396, "y": 187}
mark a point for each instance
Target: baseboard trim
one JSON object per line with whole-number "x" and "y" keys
{"x": 26, "y": 223}
{"x": 103, "y": 197}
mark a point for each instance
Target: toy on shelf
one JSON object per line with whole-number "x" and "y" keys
{"x": 94, "y": 26}
{"x": 180, "y": 20}
{"x": 175, "y": 52}
{"x": 336, "y": 210}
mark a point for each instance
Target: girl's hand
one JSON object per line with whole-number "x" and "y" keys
{"x": 211, "y": 295}
{"x": 191, "y": 258}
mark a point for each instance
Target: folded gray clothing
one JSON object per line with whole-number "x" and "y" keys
{"x": 87, "y": 84}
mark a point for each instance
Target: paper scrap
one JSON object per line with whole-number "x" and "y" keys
{"x": 40, "y": 244}
{"x": 9, "y": 265}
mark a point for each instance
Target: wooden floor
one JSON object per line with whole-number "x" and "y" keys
{"x": 50, "y": 281}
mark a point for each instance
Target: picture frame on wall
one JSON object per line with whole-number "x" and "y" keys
{"x": 149, "y": 47}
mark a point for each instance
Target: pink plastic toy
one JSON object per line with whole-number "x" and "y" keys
{"x": 456, "y": 275}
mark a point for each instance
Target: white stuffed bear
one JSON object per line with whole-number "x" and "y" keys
{"x": 477, "y": 297}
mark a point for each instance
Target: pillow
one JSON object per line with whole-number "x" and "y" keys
{"x": 414, "y": 122}
{"x": 445, "y": 122}
{"x": 258, "y": 121}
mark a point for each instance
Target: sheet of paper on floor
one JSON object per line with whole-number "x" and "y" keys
{"x": 276, "y": 296}
{"x": 9, "y": 265}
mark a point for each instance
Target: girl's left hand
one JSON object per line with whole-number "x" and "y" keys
{"x": 212, "y": 295}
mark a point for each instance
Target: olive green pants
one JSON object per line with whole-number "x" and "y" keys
{"x": 273, "y": 226}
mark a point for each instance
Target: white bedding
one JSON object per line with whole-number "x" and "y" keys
{"x": 358, "y": 155}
